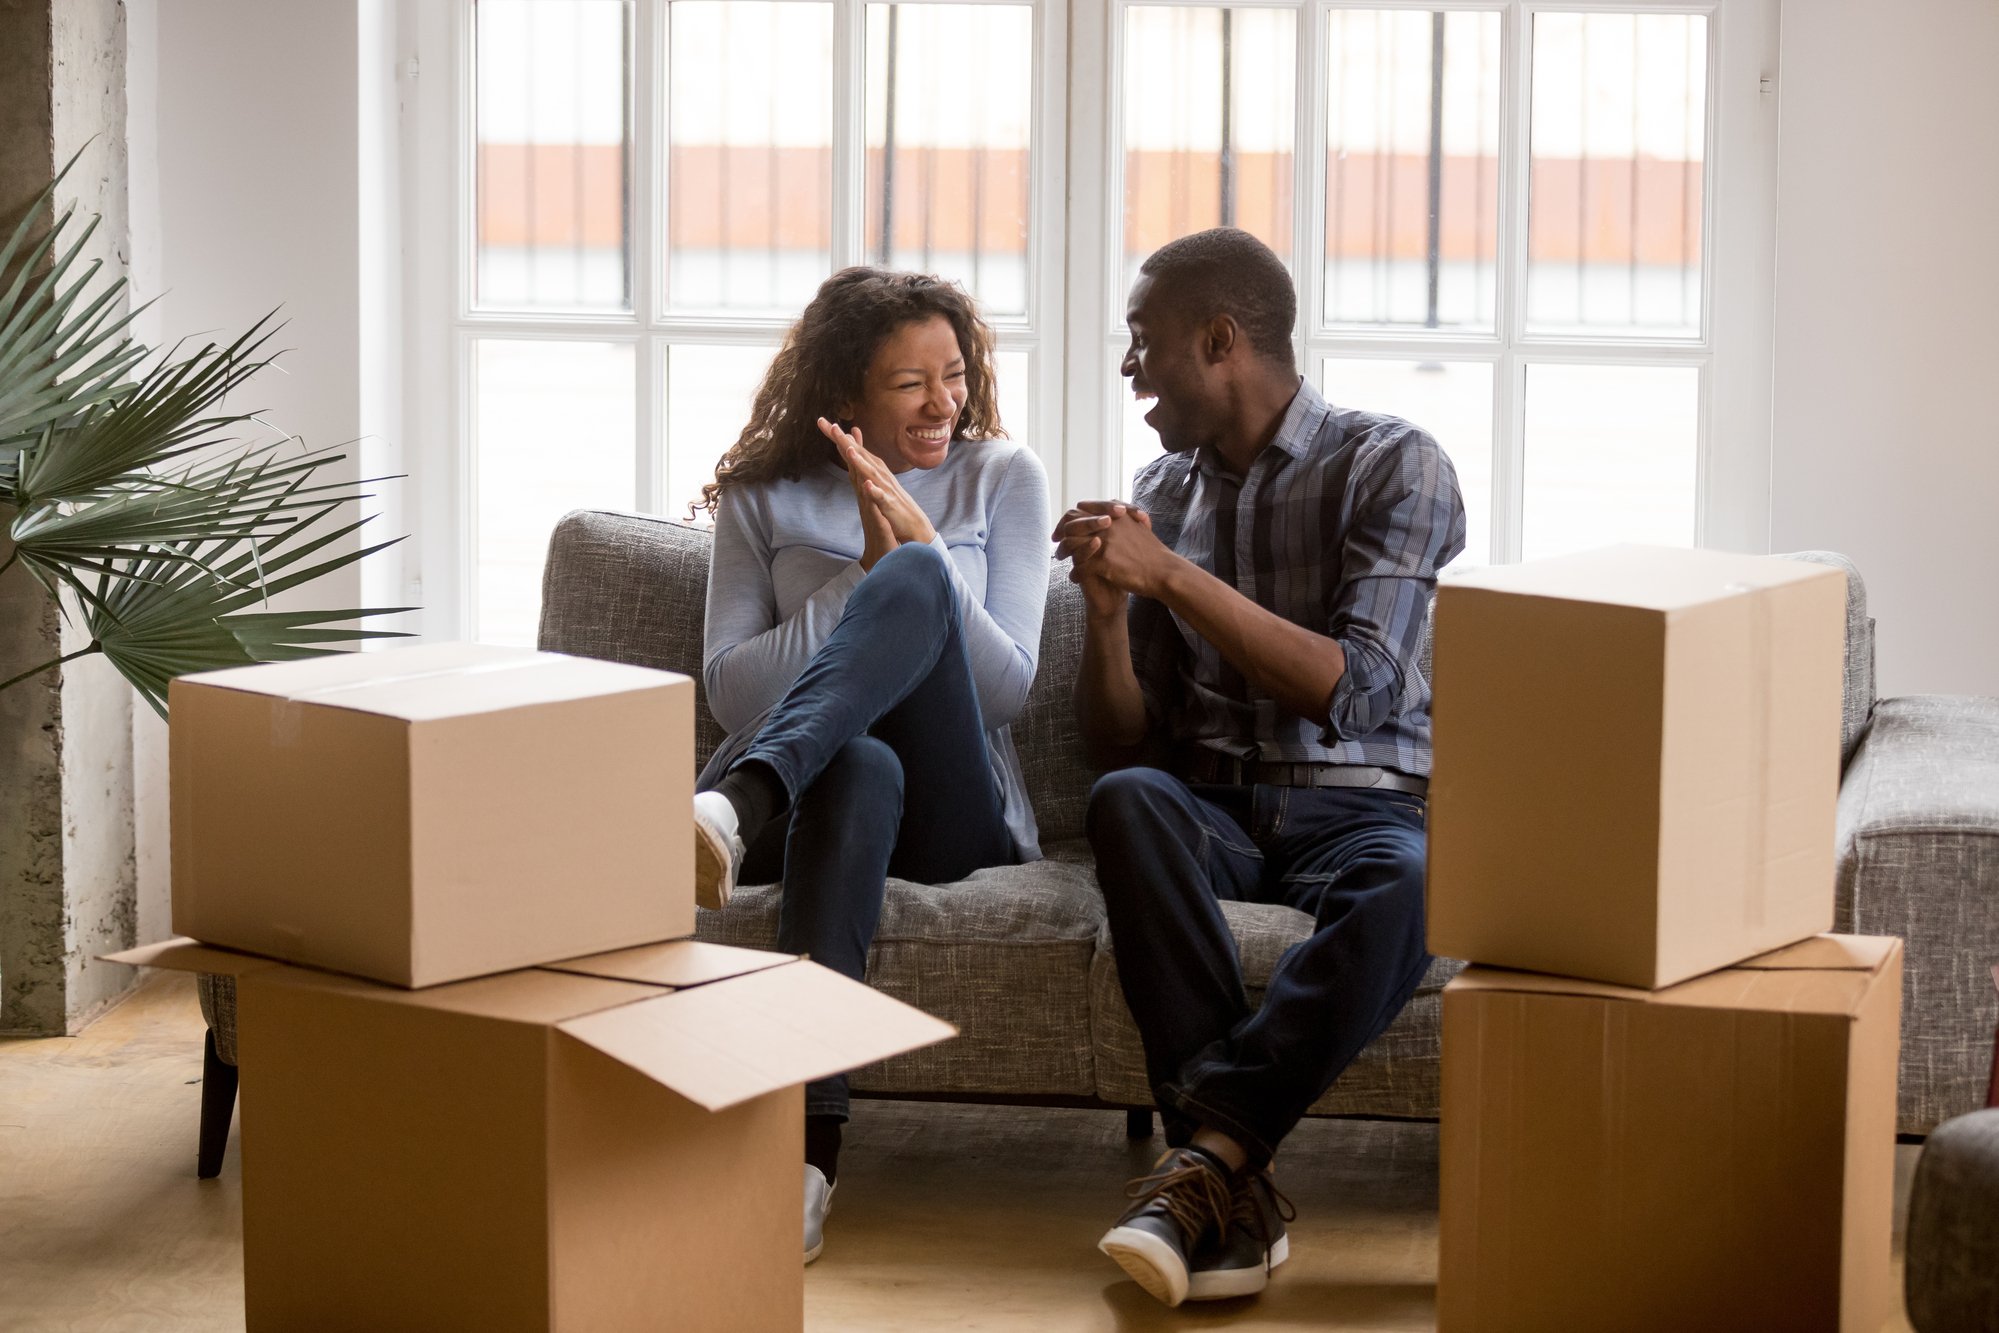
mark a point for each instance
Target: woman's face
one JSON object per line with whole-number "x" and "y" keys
{"x": 911, "y": 396}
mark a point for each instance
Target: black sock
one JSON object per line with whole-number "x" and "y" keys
{"x": 1222, "y": 1168}
{"x": 822, "y": 1144}
{"x": 757, "y": 793}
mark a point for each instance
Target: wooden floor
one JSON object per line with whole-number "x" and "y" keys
{"x": 946, "y": 1217}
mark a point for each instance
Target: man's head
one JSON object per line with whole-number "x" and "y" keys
{"x": 1210, "y": 314}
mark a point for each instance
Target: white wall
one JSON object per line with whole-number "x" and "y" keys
{"x": 1885, "y": 443}
{"x": 264, "y": 169}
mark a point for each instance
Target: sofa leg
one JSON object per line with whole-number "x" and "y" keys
{"x": 218, "y": 1104}
{"x": 1138, "y": 1124}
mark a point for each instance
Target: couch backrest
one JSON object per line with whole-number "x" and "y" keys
{"x": 633, "y": 588}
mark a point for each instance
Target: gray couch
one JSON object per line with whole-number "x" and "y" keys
{"x": 1019, "y": 958}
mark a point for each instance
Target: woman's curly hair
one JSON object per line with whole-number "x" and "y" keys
{"x": 824, "y": 363}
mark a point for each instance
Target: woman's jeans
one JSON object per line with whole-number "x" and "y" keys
{"x": 882, "y": 749}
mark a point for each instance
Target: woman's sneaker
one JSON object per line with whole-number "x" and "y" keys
{"x": 1238, "y": 1260}
{"x": 718, "y": 850}
{"x": 818, "y": 1203}
{"x": 1181, "y": 1206}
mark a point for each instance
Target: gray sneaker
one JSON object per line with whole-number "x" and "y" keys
{"x": 818, "y": 1202}
{"x": 717, "y": 849}
{"x": 1237, "y": 1260}
{"x": 1178, "y": 1208}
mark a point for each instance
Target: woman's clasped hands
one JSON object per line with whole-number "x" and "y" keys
{"x": 889, "y": 516}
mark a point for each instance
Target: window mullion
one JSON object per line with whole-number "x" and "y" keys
{"x": 1509, "y": 405}
{"x": 1308, "y": 190}
{"x": 645, "y": 110}
{"x": 850, "y": 131}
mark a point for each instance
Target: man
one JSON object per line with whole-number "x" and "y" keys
{"x": 1253, "y": 624}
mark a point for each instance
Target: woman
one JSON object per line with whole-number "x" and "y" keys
{"x": 874, "y": 615}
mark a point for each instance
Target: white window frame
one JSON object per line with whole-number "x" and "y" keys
{"x": 1732, "y": 351}
{"x": 444, "y": 325}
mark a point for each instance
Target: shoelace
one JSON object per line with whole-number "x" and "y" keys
{"x": 1248, "y": 1215}
{"x": 1193, "y": 1195}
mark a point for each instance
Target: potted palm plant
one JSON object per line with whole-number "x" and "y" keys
{"x": 128, "y": 493}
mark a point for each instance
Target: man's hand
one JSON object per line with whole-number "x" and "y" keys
{"x": 1113, "y": 542}
{"x": 1076, "y": 541}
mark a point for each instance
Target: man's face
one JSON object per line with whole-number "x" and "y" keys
{"x": 1167, "y": 361}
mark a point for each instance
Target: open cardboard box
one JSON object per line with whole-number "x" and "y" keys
{"x": 1718, "y": 1155}
{"x": 612, "y": 1142}
{"x": 432, "y": 813}
{"x": 1636, "y": 761}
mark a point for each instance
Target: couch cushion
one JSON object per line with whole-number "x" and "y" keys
{"x": 1045, "y": 733}
{"x": 1005, "y": 955}
{"x": 631, "y": 588}
{"x": 1919, "y": 858}
{"x": 1398, "y": 1074}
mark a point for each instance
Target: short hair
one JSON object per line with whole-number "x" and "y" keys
{"x": 1227, "y": 271}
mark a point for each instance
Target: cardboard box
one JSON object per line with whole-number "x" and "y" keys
{"x": 432, "y": 813}
{"x": 1718, "y": 1155}
{"x": 604, "y": 1144}
{"x": 1636, "y": 763}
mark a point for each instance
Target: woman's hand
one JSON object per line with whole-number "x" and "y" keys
{"x": 876, "y": 486}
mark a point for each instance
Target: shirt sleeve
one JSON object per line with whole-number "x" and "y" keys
{"x": 1408, "y": 523}
{"x": 1003, "y": 631}
{"x": 749, "y": 657}
{"x": 1158, "y": 651}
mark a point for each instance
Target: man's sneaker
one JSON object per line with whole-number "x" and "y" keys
{"x": 818, "y": 1202}
{"x": 717, "y": 849}
{"x": 1182, "y": 1204}
{"x": 1237, "y": 1261}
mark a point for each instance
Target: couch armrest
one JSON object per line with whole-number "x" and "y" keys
{"x": 1919, "y": 858}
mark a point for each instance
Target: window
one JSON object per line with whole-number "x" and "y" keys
{"x": 1541, "y": 231}
{"x": 1508, "y": 222}
{"x": 648, "y": 193}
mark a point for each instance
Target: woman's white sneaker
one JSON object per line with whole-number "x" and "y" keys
{"x": 818, "y": 1202}
{"x": 718, "y": 849}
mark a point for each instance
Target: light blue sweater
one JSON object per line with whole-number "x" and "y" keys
{"x": 787, "y": 556}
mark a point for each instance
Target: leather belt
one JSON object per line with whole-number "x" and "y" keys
{"x": 1204, "y": 765}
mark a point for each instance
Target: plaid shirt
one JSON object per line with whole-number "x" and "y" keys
{"x": 1340, "y": 526}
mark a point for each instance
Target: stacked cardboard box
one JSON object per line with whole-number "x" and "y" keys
{"x": 1668, "y": 1097}
{"x": 485, "y": 1083}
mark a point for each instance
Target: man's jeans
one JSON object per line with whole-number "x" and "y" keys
{"x": 1167, "y": 853}
{"x": 881, "y": 746}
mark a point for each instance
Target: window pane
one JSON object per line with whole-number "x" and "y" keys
{"x": 553, "y": 171}
{"x": 1619, "y": 128}
{"x": 708, "y": 394}
{"x": 1611, "y": 456}
{"x": 1208, "y": 126}
{"x": 553, "y": 432}
{"x": 1412, "y": 168}
{"x": 1450, "y": 399}
{"x": 1012, "y": 368}
{"x": 749, "y": 172}
{"x": 950, "y": 110}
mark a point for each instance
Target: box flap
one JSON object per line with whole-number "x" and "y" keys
{"x": 182, "y": 954}
{"x": 1829, "y": 953}
{"x": 528, "y": 995}
{"x": 722, "y": 1044}
{"x": 676, "y": 963}
{"x": 1828, "y": 974}
{"x": 437, "y": 680}
{"x": 1658, "y": 578}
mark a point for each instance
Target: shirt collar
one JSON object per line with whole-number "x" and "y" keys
{"x": 1295, "y": 432}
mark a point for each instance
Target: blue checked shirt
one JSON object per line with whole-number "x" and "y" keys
{"x": 1339, "y": 526}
